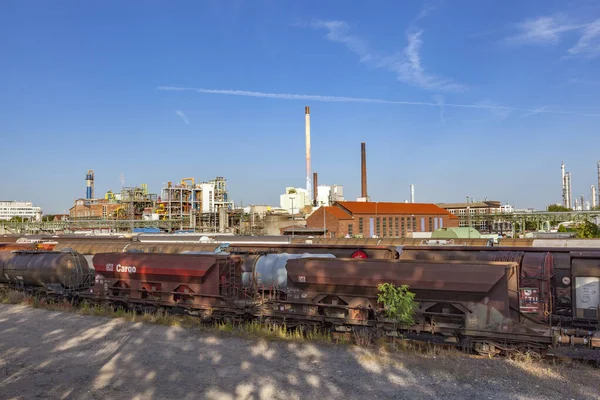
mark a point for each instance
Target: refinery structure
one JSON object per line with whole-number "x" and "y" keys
{"x": 578, "y": 204}
{"x": 189, "y": 205}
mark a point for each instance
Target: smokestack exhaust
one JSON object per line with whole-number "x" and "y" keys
{"x": 307, "y": 127}
{"x": 363, "y": 172}
{"x": 315, "y": 187}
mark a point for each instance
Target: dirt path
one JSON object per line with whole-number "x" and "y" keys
{"x": 46, "y": 354}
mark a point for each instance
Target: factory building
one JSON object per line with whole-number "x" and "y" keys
{"x": 295, "y": 199}
{"x": 479, "y": 215}
{"x": 379, "y": 219}
{"x": 94, "y": 209}
{"x": 196, "y": 205}
{"x": 22, "y": 209}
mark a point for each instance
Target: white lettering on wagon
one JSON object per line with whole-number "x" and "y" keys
{"x": 124, "y": 268}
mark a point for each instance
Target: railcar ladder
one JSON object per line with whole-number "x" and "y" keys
{"x": 231, "y": 283}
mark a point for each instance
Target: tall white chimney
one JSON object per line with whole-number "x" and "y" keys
{"x": 598, "y": 187}
{"x": 568, "y": 190}
{"x": 564, "y": 192}
{"x": 412, "y": 193}
{"x": 593, "y": 196}
{"x": 307, "y": 125}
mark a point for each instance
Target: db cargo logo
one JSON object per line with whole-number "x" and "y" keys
{"x": 123, "y": 268}
{"x": 120, "y": 268}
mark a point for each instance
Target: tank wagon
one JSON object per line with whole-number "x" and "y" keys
{"x": 47, "y": 271}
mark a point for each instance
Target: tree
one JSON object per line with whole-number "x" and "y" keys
{"x": 398, "y": 302}
{"x": 557, "y": 208}
{"x": 588, "y": 230}
{"x": 562, "y": 229}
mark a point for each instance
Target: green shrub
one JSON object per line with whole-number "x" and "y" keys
{"x": 398, "y": 302}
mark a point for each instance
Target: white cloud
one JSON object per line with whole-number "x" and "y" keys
{"x": 407, "y": 66}
{"x": 182, "y": 116}
{"x": 284, "y": 96}
{"x": 589, "y": 43}
{"x": 337, "y": 31}
{"x": 411, "y": 70}
{"x": 549, "y": 30}
{"x": 543, "y": 30}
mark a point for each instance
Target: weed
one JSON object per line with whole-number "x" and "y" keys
{"x": 225, "y": 326}
{"x": 13, "y": 297}
{"x": 363, "y": 337}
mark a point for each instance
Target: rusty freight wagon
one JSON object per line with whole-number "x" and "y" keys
{"x": 190, "y": 281}
{"x": 457, "y": 300}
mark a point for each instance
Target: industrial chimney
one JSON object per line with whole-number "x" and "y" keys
{"x": 89, "y": 179}
{"x": 593, "y": 196}
{"x": 564, "y": 191}
{"x": 412, "y": 193}
{"x": 598, "y": 187}
{"x": 568, "y": 190}
{"x": 363, "y": 173}
{"x": 307, "y": 127}
{"x": 315, "y": 187}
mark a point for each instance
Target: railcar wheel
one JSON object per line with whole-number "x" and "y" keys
{"x": 486, "y": 349}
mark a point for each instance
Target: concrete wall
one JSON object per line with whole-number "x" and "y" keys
{"x": 274, "y": 223}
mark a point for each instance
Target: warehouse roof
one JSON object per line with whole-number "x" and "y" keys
{"x": 338, "y": 212}
{"x": 456, "y": 233}
{"x": 372, "y": 207}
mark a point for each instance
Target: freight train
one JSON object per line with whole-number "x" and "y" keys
{"x": 489, "y": 306}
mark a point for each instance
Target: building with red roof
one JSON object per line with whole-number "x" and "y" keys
{"x": 381, "y": 219}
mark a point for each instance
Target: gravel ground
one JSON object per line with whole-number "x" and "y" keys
{"x": 45, "y": 354}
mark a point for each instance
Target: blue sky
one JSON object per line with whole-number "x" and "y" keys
{"x": 478, "y": 98}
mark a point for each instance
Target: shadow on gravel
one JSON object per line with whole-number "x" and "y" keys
{"x": 46, "y": 354}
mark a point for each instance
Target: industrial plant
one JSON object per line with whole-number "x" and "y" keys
{"x": 318, "y": 209}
